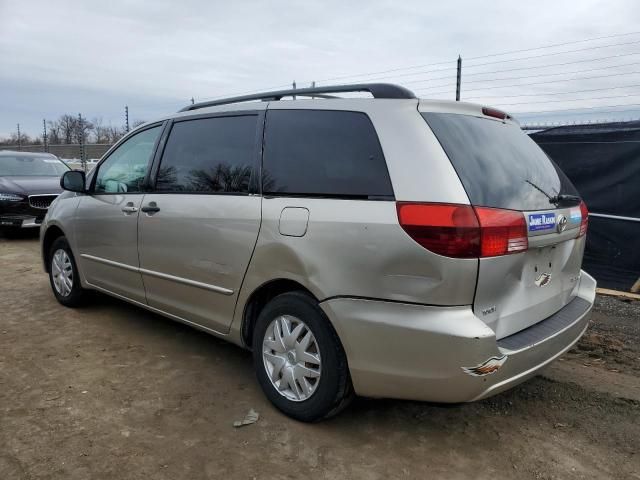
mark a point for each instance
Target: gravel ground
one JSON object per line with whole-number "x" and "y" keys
{"x": 111, "y": 391}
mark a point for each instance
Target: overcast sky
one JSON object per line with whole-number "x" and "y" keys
{"x": 94, "y": 57}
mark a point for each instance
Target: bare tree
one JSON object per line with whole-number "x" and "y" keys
{"x": 100, "y": 131}
{"x": 82, "y": 130}
{"x": 137, "y": 123}
{"x": 67, "y": 125}
{"x": 13, "y": 139}
{"x": 114, "y": 133}
{"x": 53, "y": 132}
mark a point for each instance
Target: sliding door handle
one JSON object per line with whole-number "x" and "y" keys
{"x": 151, "y": 208}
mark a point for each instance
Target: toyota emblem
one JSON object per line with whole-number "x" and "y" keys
{"x": 561, "y": 224}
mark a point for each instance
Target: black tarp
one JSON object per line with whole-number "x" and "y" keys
{"x": 603, "y": 162}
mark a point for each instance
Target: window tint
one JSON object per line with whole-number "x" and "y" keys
{"x": 499, "y": 165}
{"x": 126, "y": 167}
{"x": 209, "y": 155}
{"x": 324, "y": 153}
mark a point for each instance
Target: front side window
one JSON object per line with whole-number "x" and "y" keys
{"x": 126, "y": 167}
{"x": 209, "y": 155}
{"x": 323, "y": 153}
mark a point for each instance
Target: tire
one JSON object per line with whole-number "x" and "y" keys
{"x": 69, "y": 297}
{"x": 318, "y": 397}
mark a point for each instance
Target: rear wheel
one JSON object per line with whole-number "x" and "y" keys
{"x": 299, "y": 360}
{"x": 63, "y": 274}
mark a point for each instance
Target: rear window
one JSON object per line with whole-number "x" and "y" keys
{"x": 323, "y": 153}
{"x": 499, "y": 165}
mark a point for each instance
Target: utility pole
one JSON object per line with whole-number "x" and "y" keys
{"x": 294, "y": 87}
{"x": 83, "y": 161}
{"x": 458, "y": 78}
{"x": 44, "y": 135}
{"x": 126, "y": 117}
{"x": 19, "y": 139}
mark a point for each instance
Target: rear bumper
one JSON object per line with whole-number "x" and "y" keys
{"x": 437, "y": 354}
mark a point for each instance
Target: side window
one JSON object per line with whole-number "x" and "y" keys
{"x": 126, "y": 167}
{"x": 323, "y": 153}
{"x": 209, "y": 155}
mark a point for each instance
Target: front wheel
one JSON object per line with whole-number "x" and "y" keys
{"x": 299, "y": 360}
{"x": 63, "y": 274}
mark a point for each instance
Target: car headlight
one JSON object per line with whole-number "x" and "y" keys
{"x": 10, "y": 197}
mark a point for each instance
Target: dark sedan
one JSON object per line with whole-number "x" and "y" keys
{"x": 29, "y": 182}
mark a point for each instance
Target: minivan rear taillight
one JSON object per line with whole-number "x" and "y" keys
{"x": 463, "y": 231}
{"x": 584, "y": 214}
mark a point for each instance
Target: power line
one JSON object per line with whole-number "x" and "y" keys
{"x": 358, "y": 75}
{"x": 608, "y": 67}
{"x": 564, "y": 110}
{"x": 571, "y": 100}
{"x": 491, "y": 55}
{"x": 530, "y": 84}
{"x": 556, "y": 45}
{"x": 496, "y": 62}
{"x": 608, "y": 57}
{"x": 389, "y": 71}
{"x": 483, "y": 64}
{"x": 556, "y": 93}
{"x": 635, "y": 42}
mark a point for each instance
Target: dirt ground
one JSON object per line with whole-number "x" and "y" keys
{"x": 111, "y": 391}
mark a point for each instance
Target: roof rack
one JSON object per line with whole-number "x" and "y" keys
{"x": 378, "y": 90}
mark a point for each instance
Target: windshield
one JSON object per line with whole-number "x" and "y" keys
{"x": 499, "y": 165}
{"x": 31, "y": 166}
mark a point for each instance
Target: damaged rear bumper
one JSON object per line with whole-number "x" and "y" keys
{"x": 447, "y": 354}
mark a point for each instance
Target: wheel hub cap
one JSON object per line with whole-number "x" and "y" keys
{"x": 62, "y": 272}
{"x": 291, "y": 358}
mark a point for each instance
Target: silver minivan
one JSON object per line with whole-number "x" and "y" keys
{"x": 386, "y": 246}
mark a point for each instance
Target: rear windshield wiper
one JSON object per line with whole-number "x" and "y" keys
{"x": 564, "y": 198}
{"x": 556, "y": 199}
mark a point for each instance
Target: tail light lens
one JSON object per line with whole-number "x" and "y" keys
{"x": 449, "y": 230}
{"x": 463, "y": 231}
{"x": 502, "y": 231}
{"x": 584, "y": 213}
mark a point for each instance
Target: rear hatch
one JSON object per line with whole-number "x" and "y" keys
{"x": 501, "y": 167}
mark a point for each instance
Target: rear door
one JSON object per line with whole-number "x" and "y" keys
{"x": 199, "y": 225}
{"x": 501, "y": 167}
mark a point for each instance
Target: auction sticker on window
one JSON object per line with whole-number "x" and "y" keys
{"x": 542, "y": 221}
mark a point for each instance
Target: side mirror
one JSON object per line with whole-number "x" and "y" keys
{"x": 74, "y": 181}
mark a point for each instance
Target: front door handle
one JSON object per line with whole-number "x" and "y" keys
{"x": 129, "y": 208}
{"x": 151, "y": 208}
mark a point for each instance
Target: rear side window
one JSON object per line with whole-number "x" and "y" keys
{"x": 323, "y": 153}
{"x": 209, "y": 155}
{"x": 499, "y": 165}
